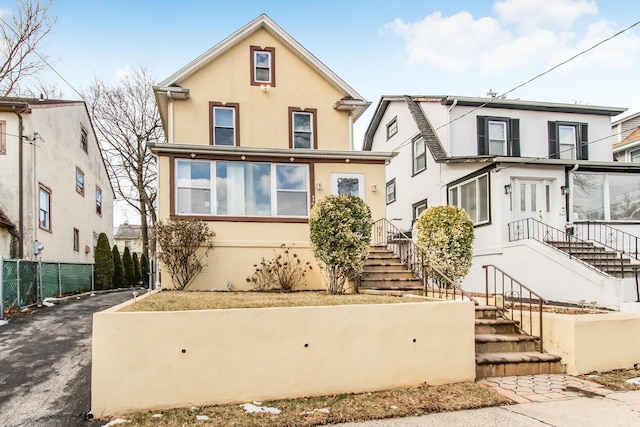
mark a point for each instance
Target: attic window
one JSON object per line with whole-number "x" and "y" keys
{"x": 263, "y": 66}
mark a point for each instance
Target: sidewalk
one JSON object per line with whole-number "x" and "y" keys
{"x": 543, "y": 400}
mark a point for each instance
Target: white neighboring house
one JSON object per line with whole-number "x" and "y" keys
{"x": 54, "y": 186}
{"x": 515, "y": 167}
{"x": 626, "y": 146}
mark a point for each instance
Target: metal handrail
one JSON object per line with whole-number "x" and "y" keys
{"x": 608, "y": 236}
{"x": 514, "y": 295}
{"x": 434, "y": 282}
{"x": 531, "y": 228}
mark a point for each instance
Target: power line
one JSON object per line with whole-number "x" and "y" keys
{"x": 499, "y": 97}
{"x": 43, "y": 60}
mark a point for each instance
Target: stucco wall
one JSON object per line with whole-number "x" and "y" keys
{"x": 264, "y": 116}
{"x": 240, "y": 355}
{"x": 592, "y": 342}
{"x": 240, "y": 245}
{"x": 57, "y": 154}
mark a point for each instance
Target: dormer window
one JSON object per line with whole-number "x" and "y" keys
{"x": 263, "y": 69}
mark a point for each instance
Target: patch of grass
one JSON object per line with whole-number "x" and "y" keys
{"x": 342, "y": 408}
{"x": 616, "y": 379}
{"x": 175, "y": 300}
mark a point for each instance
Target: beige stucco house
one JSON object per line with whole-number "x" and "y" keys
{"x": 54, "y": 186}
{"x": 258, "y": 129}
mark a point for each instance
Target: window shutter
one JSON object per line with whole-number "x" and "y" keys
{"x": 483, "y": 141}
{"x": 514, "y": 138}
{"x": 584, "y": 141}
{"x": 554, "y": 148}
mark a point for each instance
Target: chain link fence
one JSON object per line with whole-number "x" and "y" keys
{"x": 24, "y": 283}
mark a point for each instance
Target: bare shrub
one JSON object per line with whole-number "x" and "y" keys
{"x": 285, "y": 272}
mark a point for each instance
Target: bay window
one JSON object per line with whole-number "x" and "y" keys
{"x": 472, "y": 195}
{"x": 221, "y": 188}
{"x": 606, "y": 196}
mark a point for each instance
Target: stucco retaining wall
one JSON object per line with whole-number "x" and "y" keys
{"x": 150, "y": 360}
{"x": 590, "y": 342}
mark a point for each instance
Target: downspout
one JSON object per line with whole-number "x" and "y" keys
{"x": 170, "y": 116}
{"x": 351, "y": 130}
{"x": 570, "y": 195}
{"x": 20, "y": 190}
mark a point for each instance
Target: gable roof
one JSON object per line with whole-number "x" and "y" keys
{"x": 128, "y": 231}
{"x": 267, "y": 24}
{"x": 630, "y": 139}
{"x": 422, "y": 122}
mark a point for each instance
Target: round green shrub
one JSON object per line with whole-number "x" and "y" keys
{"x": 340, "y": 234}
{"x": 445, "y": 233}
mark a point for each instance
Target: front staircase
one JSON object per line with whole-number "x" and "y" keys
{"x": 384, "y": 272}
{"x": 601, "y": 258}
{"x": 502, "y": 350}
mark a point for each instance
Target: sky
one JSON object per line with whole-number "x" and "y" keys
{"x": 379, "y": 47}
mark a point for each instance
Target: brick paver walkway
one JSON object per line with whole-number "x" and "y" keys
{"x": 539, "y": 388}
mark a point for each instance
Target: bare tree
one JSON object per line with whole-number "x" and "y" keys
{"x": 41, "y": 89}
{"x": 125, "y": 117}
{"x": 19, "y": 38}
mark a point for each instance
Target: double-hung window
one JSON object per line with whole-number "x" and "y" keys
{"x": 472, "y": 195}
{"x": 568, "y": 140}
{"x": 84, "y": 139}
{"x": 419, "y": 155}
{"x": 392, "y": 128}
{"x": 418, "y": 208}
{"x": 498, "y": 136}
{"x": 391, "y": 191}
{"x": 79, "y": 181}
{"x": 98, "y": 201}
{"x": 242, "y": 189}
{"x": 224, "y": 124}
{"x": 634, "y": 156}
{"x": 303, "y": 128}
{"x": 45, "y": 208}
{"x": 263, "y": 70}
{"x": 76, "y": 239}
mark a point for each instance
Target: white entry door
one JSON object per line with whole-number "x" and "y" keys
{"x": 530, "y": 199}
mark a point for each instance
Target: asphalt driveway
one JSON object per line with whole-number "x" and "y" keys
{"x": 45, "y": 363}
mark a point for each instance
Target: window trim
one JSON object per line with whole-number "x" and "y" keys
{"x": 76, "y": 239}
{"x": 84, "y": 139}
{"x": 465, "y": 180}
{"x": 99, "y": 201}
{"x": 391, "y": 129}
{"x": 314, "y": 126}
{"x": 634, "y": 150}
{"x": 42, "y": 187}
{"x": 582, "y": 139}
{"x": 235, "y": 218}
{"x": 272, "y": 66}
{"x": 512, "y": 142}
{"x": 236, "y": 131}
{"x": 80, "y": 190}
{"x": 3, "y": 137}
{"x": 414, "y": 158}
{"x": 391, "y": 183}
{"x": 415, "y": 205}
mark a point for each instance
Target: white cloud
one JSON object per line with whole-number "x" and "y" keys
{"x": 529, "y": 14}
{"x": 4, "y": 13}
{"x": 450, "y": 42}
{"x": 124, "y": 73}
{"x": 523, "y": 34}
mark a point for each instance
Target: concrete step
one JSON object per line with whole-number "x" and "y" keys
{"x": 521, "y": 363}
{"x": 387, "y": 275}
{"x": 564, "y": 244}
{"x": 486, "y": 312}
{"x": 397, "y": 292}
{"x": 391, "y": 284}
{"x": 505, "y": 343}
{"x": 385, "y": 266}
{"x": 496, "y": 326}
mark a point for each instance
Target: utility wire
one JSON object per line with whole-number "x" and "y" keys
{"x": 43, "y": 60}
{"x": 502, "y": 96}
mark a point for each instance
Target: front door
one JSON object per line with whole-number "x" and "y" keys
{"x": 530, "y": 199}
